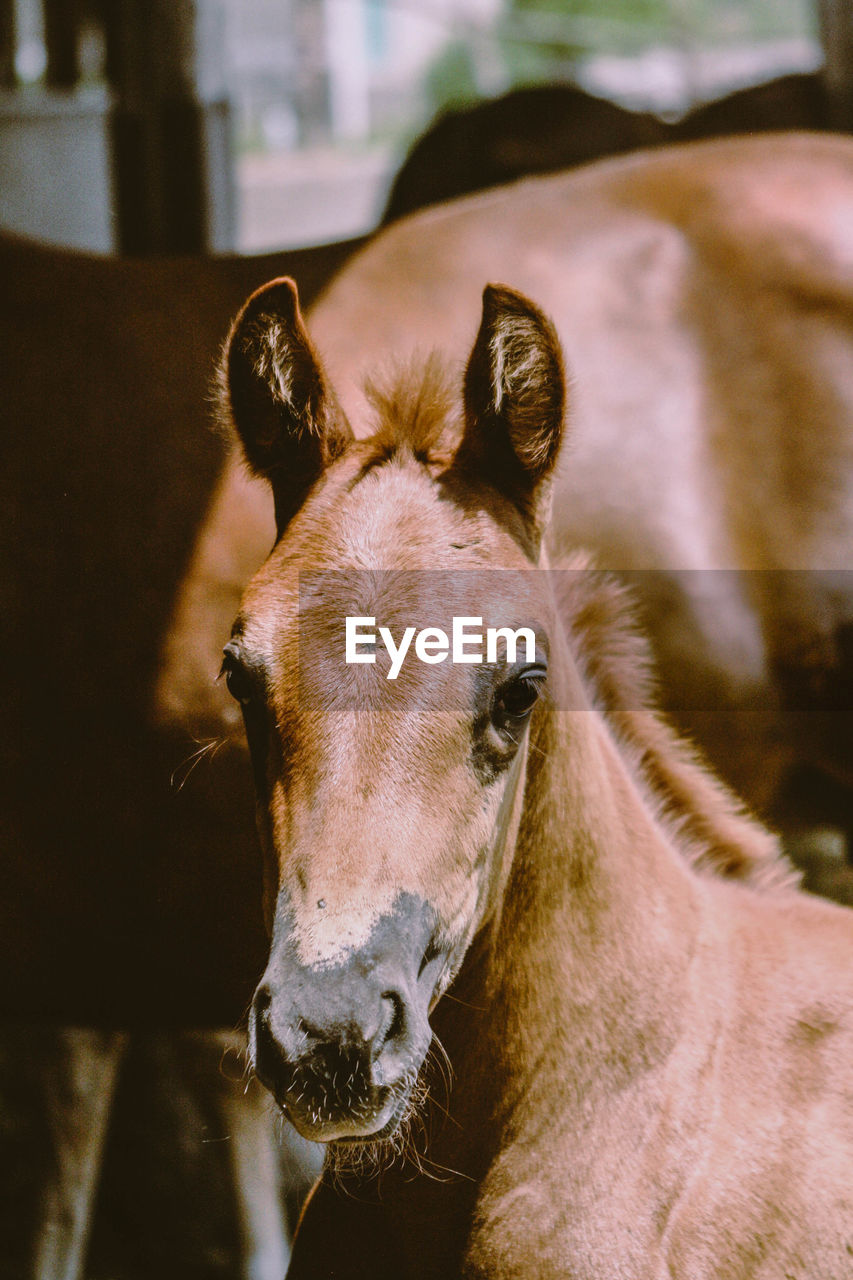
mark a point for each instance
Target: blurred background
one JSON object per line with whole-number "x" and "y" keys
{"x": 182, "y": 125}
{"x": 158, "y": 160}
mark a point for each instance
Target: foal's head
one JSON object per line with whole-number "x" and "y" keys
{"x": 388, "y": 792}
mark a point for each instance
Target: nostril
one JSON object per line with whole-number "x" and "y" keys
{"x": 393, "y": 1025}
{"x": 309, "y": 1034}
{"x": 268, "y": 1054}
{"x": 429, "y": 955}
{"x": 262, "y": 1001}
{"x": 259, "y": 1020}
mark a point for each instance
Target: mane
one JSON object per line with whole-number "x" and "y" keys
{"x": 710, "y": 826}
{"x": 415, "y": 406}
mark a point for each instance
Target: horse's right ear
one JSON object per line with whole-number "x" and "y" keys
{"x": 274, "y": 391}
{"x": 515, "y": 395}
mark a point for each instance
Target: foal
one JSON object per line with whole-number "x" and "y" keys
{"x": 649, "y": 1028}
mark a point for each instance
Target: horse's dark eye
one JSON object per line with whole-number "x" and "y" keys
{"x": 516, "y": 700}
{"x": 238, "y": 681}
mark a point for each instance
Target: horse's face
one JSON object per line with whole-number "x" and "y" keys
{"x": 388, "y": 791}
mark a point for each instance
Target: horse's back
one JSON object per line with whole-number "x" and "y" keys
{"x": 704, "y": 298}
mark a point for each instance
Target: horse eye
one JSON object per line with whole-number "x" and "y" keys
{"x": 516, "y": 700}
{"x": 237, "y": 679}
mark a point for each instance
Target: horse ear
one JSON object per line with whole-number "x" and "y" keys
{"x": 274, "y": 391}
{"x": 515, "y": 394}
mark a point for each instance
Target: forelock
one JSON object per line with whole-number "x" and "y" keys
{"x": 417, "y": 409}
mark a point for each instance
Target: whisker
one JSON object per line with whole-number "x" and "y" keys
{"x": 209, "y": 748}
{"x": 478, "y": 1007}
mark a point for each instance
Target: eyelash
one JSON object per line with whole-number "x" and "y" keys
{"x": 237, "y": 679}
{"x": 524, "y": 690}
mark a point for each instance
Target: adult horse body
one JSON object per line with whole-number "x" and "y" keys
{"x": 649, "y": 1028}
{"x": 705, "y": 295}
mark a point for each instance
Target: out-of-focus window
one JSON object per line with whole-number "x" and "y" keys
{"x": 328, "y": 94}
{"x": 151, "y": 126}
{"x": 54, "y": 144}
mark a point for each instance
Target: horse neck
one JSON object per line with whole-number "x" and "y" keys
{"x": 598, "y": 923}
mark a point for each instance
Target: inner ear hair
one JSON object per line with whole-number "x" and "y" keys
{"x": 528, "y": 382}
{"x": 514, "y": 395}
{"x": 274, "y": 392}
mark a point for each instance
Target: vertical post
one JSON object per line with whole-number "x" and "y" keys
{"x": 61, "y": 21}
{"x": 836, "y": 28}
{"x": 7, "y": 44}
{"x": 167, "y": 152}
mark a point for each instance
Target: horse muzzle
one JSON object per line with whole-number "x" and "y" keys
{"x": 341, "y": 1046}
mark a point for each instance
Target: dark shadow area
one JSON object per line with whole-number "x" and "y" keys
{"x": 123, "y": 900}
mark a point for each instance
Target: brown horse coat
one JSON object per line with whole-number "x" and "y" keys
{"x": 649, "y": 1028}
{"x": 704, "y": 296}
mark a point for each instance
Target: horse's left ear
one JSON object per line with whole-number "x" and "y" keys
{"x": 274, "y": 391}
{"x": 515, "y": 399}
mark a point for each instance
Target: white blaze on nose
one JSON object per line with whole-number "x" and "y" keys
{"x": 326, "y": 934}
